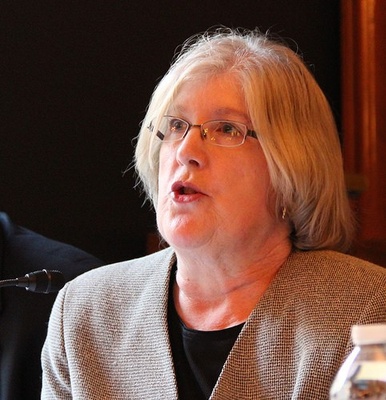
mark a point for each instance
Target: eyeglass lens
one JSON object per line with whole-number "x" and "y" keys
{"x": 221, "y": 133}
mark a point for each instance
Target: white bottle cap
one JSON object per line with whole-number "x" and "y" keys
{"x": 368, "y": 334}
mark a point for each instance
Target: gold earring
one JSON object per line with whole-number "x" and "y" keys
{"x": 284, "y": 213}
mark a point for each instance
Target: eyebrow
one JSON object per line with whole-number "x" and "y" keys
{"x": 219, "y": 113}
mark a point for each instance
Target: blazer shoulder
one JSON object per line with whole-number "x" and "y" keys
{"x": 330, "y": 259}
{"x": 137, "y": 269}
{"x": 336, "y": 271}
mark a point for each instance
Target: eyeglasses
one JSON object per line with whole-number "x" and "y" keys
{"x": 220, "y": 133}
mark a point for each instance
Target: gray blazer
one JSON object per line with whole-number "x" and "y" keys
{"x": 108, "y": 332}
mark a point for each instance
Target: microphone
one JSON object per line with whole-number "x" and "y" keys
{"x": 43, "y": 281}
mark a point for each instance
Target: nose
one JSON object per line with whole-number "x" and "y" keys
{"x": 191, "y": 149}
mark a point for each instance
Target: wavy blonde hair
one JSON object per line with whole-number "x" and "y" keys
{"x": 293, "y": 121}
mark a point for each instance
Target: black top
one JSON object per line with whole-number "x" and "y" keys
{"x": 198, "y": 355}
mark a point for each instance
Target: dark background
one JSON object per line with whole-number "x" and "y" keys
{"x": 75, "y": 80}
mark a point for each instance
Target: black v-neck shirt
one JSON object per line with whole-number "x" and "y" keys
{"x": 198, "y": 355}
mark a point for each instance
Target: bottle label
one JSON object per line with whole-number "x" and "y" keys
{"x": 371, "y": 370}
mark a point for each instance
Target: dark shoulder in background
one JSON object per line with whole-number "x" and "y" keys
{"x": 24, "y": 315}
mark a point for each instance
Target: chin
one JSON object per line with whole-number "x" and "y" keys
{"x": 184, "y": 242}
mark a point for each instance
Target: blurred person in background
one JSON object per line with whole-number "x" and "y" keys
{"x": 24, "y": 315}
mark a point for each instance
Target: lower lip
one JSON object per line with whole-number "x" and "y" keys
{"x": 185, "y": 198}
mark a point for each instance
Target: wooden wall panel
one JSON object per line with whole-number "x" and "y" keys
{"x": 364, "y": 120}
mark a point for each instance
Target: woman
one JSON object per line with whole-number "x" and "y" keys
{"x": 254, "y": 298}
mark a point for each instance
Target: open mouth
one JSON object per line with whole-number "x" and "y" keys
{"x": 186, "y": 190}
{"x": 182, "y": 189}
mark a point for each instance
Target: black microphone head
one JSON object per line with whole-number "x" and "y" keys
{"x": 45, "y": 281}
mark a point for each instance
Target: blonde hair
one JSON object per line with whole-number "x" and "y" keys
{"x": 293, "y": 121}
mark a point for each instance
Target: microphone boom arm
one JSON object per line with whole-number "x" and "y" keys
{"x": 8, "y": 282}
{"x": 42, "y": 281}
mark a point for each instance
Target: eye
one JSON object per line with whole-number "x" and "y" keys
{"x": 228, "y": 129}
{"x": 177, "y": 126}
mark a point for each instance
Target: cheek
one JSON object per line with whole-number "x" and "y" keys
{"x": 165, "y": 170}
{"x": 167, "y": 154}
{"x": 254, "y": 183}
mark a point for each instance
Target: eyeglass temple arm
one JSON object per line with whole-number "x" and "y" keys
{"x": 249, "y": 133}
{"x": 160, "y": 135}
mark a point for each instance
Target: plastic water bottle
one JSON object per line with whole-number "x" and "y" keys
{"x": 363, "y": 374}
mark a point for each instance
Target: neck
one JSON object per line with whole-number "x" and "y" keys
{"x": 222, "y": 292}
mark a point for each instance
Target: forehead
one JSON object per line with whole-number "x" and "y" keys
{"x": 219, "y": 96}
